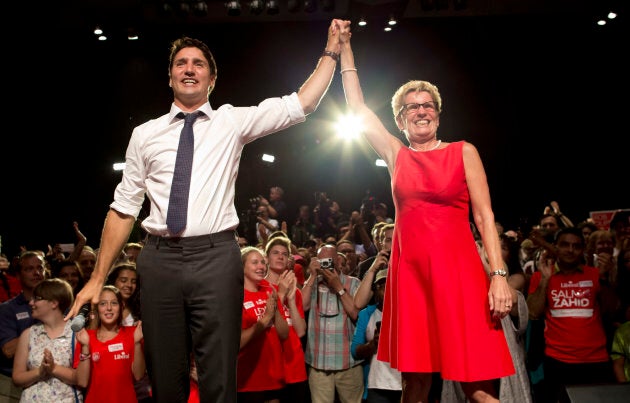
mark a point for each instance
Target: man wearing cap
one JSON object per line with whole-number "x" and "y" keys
{"x": 382, "y": 382}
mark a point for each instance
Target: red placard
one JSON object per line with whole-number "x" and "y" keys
{"x": 602, "y": 218}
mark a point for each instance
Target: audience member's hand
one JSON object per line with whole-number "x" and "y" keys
{"x": 83, "y": 337}
{"x": 545, "y": 264}
{"x": 381, "y": 260}
{"x": 605, "y": 263}
{"x": 332, "y": 279}
{"x": 81, "y": 239}
{"x": 270, "y": 309}
{"x": 193, "y": 371}
{"x": 47, "y": 366}
{"x": 374, "y": 341}
{"x": 286, "y": 286}
{"x": 137, "y": 334}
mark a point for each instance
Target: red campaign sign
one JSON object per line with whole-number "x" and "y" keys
{"x": 602, "y": 218}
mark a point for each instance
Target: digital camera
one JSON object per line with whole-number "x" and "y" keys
{"x": 326, "y": 263}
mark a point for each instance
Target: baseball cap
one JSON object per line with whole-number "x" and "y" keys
{"x": 380, "y": 275}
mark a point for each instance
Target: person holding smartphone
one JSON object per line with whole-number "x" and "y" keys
{"x": 382, "y": 382}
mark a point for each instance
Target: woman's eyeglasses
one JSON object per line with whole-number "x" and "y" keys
{"x": 415, "y": 107}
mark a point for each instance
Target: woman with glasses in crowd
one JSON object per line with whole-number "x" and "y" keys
{"x": 43, "y": 364}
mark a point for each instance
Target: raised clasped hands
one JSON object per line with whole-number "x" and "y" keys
{"x": 344, "y": 31}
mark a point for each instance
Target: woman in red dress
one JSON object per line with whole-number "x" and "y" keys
{"x": 441, "y": 311}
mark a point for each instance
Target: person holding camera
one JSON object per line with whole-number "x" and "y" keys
{"x": 383, "y": 383}
{"x": 328, "y": 295}
{"x": 265, "y": 225}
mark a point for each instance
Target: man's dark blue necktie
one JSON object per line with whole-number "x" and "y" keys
{"x": 180, "y": 187}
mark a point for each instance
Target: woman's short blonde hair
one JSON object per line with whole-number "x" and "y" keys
{"x": 415, "y": 86}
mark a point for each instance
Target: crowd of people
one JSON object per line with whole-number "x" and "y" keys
{"x": 312, "y": 315}
{"x": 438, "y": 303}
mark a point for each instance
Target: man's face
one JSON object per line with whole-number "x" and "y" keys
{"x": 87, "y": 261}
{"x": 278, "y": 258}
{"x": 549, "y": 224}
{"x": 570, "y": 249}
{"x": 32, "y": 271}
{"x": 386, "y": 239}
{"x": 190, "y": 76}
{"x": 348, "y": 251}
{"x": 274, "y": 194}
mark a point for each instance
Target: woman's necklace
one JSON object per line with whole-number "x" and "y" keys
{"x": 430, "y": 149}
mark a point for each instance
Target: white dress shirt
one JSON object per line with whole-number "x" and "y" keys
{"x": 220, "y": 136}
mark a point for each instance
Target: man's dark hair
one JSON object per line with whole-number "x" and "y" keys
{"x": 186, "y": 42}
{"x": 570, "y": 230}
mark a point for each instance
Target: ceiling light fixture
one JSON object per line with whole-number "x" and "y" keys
{"x": 256, "y": 7}
{"x": 98, "y": 30}
{"x": 233, "y": 7}
{"x": 273, "y": 7}
{"x": 362, "y": 22}
{"x": 183, "y": 9}
{"x": 132, "y": 34}
{"x": 392, "y": 21}
{"x": 200, "y": 8}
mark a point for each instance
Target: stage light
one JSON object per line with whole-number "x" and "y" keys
{"x": 183, "y": 9}
{"x": 310, "y": 6}
{"x": 132, "y": 34}
{"x": 256, "y": 7}
{"x": 392, "y": 21}
{"x": 273, "y": 7}
{"x": 233, "y": 7}
{"x": 362, "y": 22}
{"x": 200, "y": 8}
{"x": 268, "y": 158}
{"x": 98, "y": 30}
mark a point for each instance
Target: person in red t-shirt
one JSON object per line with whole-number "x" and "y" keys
{"x": 285, "y": 281}
{"x": 567, "y": 294}
{"x": 260, "y": 370}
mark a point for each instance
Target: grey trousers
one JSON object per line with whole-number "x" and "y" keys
{"x": 191, "y": 303}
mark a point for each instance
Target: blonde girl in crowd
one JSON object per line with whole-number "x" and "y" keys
{"x": 111, "y": 356}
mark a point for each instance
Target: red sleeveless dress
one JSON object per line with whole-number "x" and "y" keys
{"x": 436, "y": 314}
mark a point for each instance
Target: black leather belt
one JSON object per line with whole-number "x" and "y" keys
{"x": 217, "y": 237}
